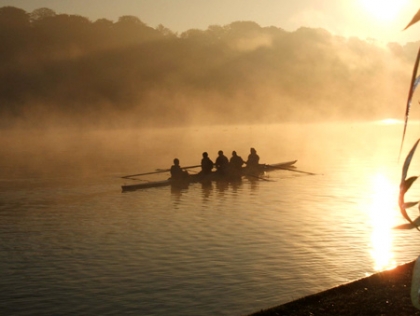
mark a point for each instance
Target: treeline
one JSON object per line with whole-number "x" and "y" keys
{"x": 66, "y": 69}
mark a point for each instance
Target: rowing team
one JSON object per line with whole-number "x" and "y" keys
{"x": 223, "y": 164}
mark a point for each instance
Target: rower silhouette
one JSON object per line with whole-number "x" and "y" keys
{"x": 176, "y": 171}
{"x": 253, "y": 159}
{"x": 222, "y": 163}
{"x": 206, "y": 164}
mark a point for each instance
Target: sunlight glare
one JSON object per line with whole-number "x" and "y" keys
{"x": 390, "y": 121}
{"x": 384, "y": 10}
{"x": 382, "y": 215}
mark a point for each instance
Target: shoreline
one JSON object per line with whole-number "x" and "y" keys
{"x": 383, "y": 293}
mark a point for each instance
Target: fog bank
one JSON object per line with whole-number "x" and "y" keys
{"x": 64, "y": 70}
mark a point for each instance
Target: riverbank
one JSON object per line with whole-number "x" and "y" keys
{"x": 384, "y": 293}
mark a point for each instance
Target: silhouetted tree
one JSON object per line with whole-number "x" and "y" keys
{"x": 14, "y": 18}
{"x": 14, "y": 33}
{"x": 75, "y": 67}
{"x": 165, "y": 31}
{"x": 103, "y": 24}
{"x": 40, "y": 14}
{"x": 131, "y": 30}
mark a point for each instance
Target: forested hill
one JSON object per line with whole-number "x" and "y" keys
{"x": 65, "y": 69}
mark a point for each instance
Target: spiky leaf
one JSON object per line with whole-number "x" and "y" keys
{"x": 414, "y": 20}
{"x": 411, "y": 225}
{"x": 408, "y": 161}
{"x": 409, "y": 204}
{"x": 407, "y": 184}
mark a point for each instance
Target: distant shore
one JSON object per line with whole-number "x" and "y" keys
{"x": 383, "y": 293}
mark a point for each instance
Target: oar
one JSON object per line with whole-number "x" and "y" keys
{"x": 300, "y": 171}
{"x": 145, "y": 174}
{"x": 189, "y": 167}
{"x": 135, "y": 179}
{"x": 261, "y": 178}
{"x": 155, "y": 172}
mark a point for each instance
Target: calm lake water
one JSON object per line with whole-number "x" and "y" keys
{"x": 73, "y": 244}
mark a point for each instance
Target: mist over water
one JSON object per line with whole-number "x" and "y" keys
{"x": 87, "y": 152}
{"x": 81, "y": 153}
{"x": 106, "y": 74}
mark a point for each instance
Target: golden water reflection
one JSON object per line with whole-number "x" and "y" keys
{"x": 382, "y": 213}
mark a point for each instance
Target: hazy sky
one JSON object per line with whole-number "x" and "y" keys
{"x": 379, "y": 19}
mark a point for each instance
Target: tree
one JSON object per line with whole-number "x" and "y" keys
{"x": 129, "y": 21}
{"x": 165, "y": 31}
{"x": 14, "y": 17}
{"x": 40, "y": 14}
{"x": 14, "y": 33}
{"x": 131, "y": 30}
{"x": 103, "y": 24}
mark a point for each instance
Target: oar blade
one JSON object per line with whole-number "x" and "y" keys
{"x": 300, "y": 171}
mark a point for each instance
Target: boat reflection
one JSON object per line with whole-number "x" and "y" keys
{"x": 382, "y": 212}
{"x": 206, "y": 188}
{"x": 210, "y": 187}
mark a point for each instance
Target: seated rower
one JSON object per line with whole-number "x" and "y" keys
{"x": 235, "y": 165}
{"x": 222, "y": 163}
{"x": 236, "y": 161}
{"x": 206, "y": 164}
{"x": 253, "y": 159}
{"x": 176, "y": 171}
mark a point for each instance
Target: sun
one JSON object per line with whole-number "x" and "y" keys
{"x": 384, "y": 10}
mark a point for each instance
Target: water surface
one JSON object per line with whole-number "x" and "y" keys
{"x": 72, "y": 243}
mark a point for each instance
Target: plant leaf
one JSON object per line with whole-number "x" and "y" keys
{"x": 404, "y": 211}
{"x": 412, "y": 225}
{"x": 415, "y": 19}
{"x": 409, "y": 204}
{"x": 408, "y": 161}
{"x": 407, "y": 184}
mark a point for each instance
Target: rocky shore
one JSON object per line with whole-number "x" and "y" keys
{"x": 384, "y": 293}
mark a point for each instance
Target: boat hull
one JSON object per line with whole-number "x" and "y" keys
{"x": 214, "y": 176}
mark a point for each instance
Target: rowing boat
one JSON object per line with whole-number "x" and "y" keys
{"x": 214, "y": 176}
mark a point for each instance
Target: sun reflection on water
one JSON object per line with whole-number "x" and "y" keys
{"x": 382, "y": 218}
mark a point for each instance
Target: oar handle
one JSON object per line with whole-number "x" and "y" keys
{"x": 190, "y": 167}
